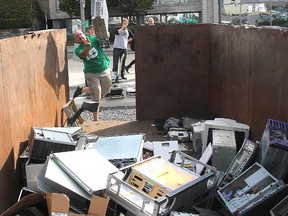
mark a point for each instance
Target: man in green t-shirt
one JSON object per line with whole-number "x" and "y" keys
{"x": 96, "y": 68}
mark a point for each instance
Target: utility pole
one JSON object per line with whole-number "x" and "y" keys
{"x": 82, "y": 13}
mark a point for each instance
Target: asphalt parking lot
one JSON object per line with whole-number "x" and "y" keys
{"x": 76, "y": 78}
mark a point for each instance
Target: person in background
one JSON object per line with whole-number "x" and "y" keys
{"x": 123, "y": 36}
{"x": 150, "y": 22}
{"x": 96, "y": 68}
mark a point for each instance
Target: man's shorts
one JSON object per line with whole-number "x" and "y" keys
{"x": 99, "y": 84}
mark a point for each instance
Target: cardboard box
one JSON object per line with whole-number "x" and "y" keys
{"x": 98, "y": 205}
{"x": 58, "y": 204}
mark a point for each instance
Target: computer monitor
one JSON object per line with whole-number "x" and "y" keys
{"x": 241, "y": 131}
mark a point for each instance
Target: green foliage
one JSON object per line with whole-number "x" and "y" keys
{"x": 133, "y": 7}
{"x": 72, "y": 7}
{"x": 276, "y": 22}
{"x": 19, "y": 13}
{"x": 127, "y": 7}
{"x": 12, "y": 24}
{"x": 70, "y": 40}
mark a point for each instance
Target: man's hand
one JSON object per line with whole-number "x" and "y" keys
{"x": 86, "y": 42}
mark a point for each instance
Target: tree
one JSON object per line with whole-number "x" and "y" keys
{"x": 126, "y": 7}
{"x": 72, "y": 7}
{"x": 131, "y": 7}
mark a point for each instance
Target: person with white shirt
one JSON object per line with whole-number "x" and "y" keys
{"x": 123, "y": 36}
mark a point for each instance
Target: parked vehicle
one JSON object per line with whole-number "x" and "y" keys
{"x": 240, "y": 20}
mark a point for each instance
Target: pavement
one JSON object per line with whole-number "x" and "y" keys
{"x": 76, "y": 78}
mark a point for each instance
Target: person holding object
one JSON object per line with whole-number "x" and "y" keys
{"x": 96, "y": 68}
{"x": 150, "y": 22}
{"x": 123, "y": 36}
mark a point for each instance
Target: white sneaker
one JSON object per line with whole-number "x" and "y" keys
{"x": 113, "y": 75}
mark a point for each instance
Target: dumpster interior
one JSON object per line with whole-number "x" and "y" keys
{"x": 214, "y": 152}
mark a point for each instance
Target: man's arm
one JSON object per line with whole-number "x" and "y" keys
{"x": 130, "y": 36}
{"x": 85, "y": 52}
{"x": 122, "y": 28}
{"x": 118, "y": 31}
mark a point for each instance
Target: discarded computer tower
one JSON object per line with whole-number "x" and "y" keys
{"x": 254, "y": 192}
{"x": 244, "y": 159}
{"x": 70, "y": 109}
{"x": 197, "y": 130}
{"x": 43, "y": 141}
{"x": 99, "y": 18}
{"x": 53, "y": 179}
{"x": 241, "y": 131}
{"x": 224, "y": 149}
{"x": 275, "y": 133}
{"x": 101, "y": 32}
{"x": 275, "y": 162}
{"x": 115, "y": 92}
{"x": 163, "y": 149}
{"x": 121, "y": 150}
{"x": 87, "y": 167}
{"x": 156, "y": 187}
{"x": 273, "y": 153}
{"x": 281, "y": 208}
{"x": 32, "y": 169}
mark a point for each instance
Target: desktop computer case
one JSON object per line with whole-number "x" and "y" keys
{"x": 254, "y": 192}
{"x": 121, "y": 150}
{"x": 243, "y": 159}
{"x": 44, "y": 141}
{"x": 145, "y": 190}
{"x": 224, "y": 149}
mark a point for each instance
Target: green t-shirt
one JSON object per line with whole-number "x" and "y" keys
{"x": 96, "y": 61}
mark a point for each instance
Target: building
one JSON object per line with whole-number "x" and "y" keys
{"x": 207, "y": 11}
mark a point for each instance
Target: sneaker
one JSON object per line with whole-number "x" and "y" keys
{"x": 124, "y": 78}
{"x": 127, "y": 69}
{"x": 77, "y": 92}
{"x": 114, "y": 75}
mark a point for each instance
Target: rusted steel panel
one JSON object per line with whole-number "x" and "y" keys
{"x": 249, "y": 74}
{"x": 236, "y": 72}
{"x": 34, "y": 88}
{"x": 172, "y": 65}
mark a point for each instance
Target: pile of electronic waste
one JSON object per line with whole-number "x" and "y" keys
{"x": 233, "y": 176}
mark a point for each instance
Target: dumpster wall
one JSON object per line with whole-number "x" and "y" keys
{"x": 33, "y": 89}
{"x": 172, "y": 68}
{"x": 237, "y": 72}
{"x": 249, "y": 75}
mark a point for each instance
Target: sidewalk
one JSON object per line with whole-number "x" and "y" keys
{"x": 76, "y": 78}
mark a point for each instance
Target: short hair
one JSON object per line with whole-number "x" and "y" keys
{"x": 90, "y": 27}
